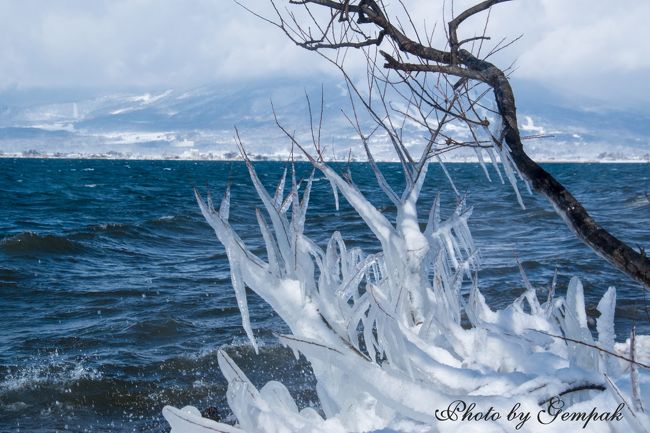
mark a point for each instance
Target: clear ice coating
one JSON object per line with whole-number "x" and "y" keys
{"x": 383, "y": 331}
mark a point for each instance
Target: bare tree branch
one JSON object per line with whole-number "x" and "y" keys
{"x": 365, "y": 25}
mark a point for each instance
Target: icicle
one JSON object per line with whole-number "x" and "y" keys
{"x": 530, "y": 295}
{"x": 210, "y": 203}
{"x": 351, "y": 281}
{"x": 224, "y": 208}
{"x": 354, "y": 317}
{"x": 288, "y": 201}
{"x": 304, "y": 204}
{"x": 279, "y": 191}
{"x": 605, "y": 323}
{"x": 280, "y": 225}
{"x": 451, "y": 182}
{"x": 551, "y": 293}
{"x": 574, "y": 326}
{"x": 271, "y": 246}
{"x": 575, "y": 300}
{"x": 634, "y": 374}
{"x": 507, "y": 163}
{"x": 479, "y": 155}
{"x": 381, "y": 180}
{"x": 375, "y": 220}
{"x": 495, "y": 164}
{"x": 368, "y": 337}
{"x": 434, "y": 217}
{"x": 242, "y": 303}
{"x": 335, "y": 191}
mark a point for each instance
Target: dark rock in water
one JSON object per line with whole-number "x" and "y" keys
{"x": 211, "y": 412}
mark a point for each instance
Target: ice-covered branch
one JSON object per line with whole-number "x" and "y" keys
{"x": 383, "y": 332}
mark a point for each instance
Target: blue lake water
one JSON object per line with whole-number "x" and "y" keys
{"x": 115, "y": 293}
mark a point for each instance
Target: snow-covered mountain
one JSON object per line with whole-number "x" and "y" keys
{"x": 200, "y": 122}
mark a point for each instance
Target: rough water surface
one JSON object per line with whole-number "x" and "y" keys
{"x": 115, "y": 293}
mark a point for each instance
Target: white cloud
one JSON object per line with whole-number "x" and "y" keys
{"x": 596, "y": 47}
{"x": 138, "y": 43}
{"x": 591, "y": 47}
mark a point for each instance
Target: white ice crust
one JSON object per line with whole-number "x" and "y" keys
{"x": 383, "y": 331}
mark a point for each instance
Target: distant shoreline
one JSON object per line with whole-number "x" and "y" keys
{"x": 262, "y": 158}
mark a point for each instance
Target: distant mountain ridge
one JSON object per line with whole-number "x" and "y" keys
{"x": 199, "y": 123}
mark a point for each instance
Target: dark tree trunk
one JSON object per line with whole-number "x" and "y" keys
{"x": 633, "y": 263}
{"x": 461, "y": 63}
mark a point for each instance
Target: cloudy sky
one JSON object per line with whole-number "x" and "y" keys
{"x": 589, "y": 47}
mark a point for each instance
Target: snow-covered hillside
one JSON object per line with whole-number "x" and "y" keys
{"x": 199, "y": 123}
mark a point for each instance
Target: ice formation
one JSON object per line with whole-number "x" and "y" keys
{"x": 383, "y": 331}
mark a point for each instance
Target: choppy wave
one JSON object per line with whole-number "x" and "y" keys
{"x": 75, "y": 241}
{"x": 46, "y": 375}
{"x": 54, "y": 390}
{"x": 117, "y": 229}
{"x": 128, "y": 283}
{"x": 639, "y": 201}
{"x": 9, "y": 275}
{"x": 34, "y": 243}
